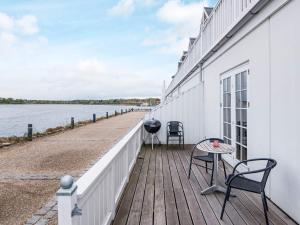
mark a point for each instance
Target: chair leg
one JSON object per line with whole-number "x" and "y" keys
{"x": 206, "y": 167}
{"x": 190, "y": 167}
{"x": 183, "y": 141}
{"x": 266, "y": 202}
{"x": 225, "y": 200}
{"x": 179, "y": 142}
{"x": 224, "y": 169}
{"x": 167, "y": 142}
{"x": 265, "y": 207}
{"x": 212, "y": 175}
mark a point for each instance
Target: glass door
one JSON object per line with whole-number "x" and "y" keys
{"x": 234, "y": 107}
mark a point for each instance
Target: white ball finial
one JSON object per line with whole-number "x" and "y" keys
{"x": 66, "y": 182}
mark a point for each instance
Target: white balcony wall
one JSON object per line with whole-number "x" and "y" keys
{"x": 186, "y": 108}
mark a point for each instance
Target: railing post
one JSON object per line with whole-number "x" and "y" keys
{"x": 68, "y": 211}
{"x": 121, "y": 111}
{"x": 29, "y": 133}
{"x": 116, "y": 112}
{"x": 72, "y": 122}
{"x": 94, "y": 118}
{"x": 106, "y": 115}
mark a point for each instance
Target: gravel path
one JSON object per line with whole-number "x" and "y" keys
{"x": 29, "y": 172}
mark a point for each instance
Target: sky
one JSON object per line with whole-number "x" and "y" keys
{"x": 93, "y": 49}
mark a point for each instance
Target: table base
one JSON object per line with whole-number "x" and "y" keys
{"x": 215, "y": 188}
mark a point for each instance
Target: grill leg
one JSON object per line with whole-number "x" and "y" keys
{"x": 152, "y": 137}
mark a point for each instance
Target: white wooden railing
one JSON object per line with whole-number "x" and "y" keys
{"x": 94, "y": 197}
{"x": 220, "y": 24}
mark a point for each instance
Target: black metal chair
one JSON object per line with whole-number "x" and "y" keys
{"x": 209, "y": 158}
{"x": 238, "y": 181}
{"x": 175, "y": 130}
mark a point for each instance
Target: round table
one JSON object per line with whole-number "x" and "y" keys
{"x": 222, "y": 149}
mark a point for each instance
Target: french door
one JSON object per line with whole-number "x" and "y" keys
{"x": 234, "y": 107}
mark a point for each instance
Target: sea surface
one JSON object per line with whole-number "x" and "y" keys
{"x": 14, "y": 119}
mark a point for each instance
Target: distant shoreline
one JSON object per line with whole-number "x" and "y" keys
{"x": 132, "y": 102}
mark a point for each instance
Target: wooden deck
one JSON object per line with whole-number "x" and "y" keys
{"x": 159, "y": 192}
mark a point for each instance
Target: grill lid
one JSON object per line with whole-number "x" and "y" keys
{"x": 152, "y": 126}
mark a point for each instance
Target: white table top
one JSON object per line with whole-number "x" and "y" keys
{"x": 208, "y": 147}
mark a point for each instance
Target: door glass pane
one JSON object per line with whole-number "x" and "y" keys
{"x": 244, "y": 136}
{"x": 238, "y": 117}
{"x": 244, "y": 117}
{"x": 238, "y": 82}
{"x": 224, "y": 130}
{"x": 244, "y": 153}
{"x": 238, "y": 152}
{"x": 244, "y": 99}
{"x": 238, "y": 98}
{"x": 229, "y": 115}
{"x": 228, "y": 96}
{"x": 244, "y": 80}
{"x": 229, "y": 130}
{"x": 238, "y": 134}
{"x": 228, "y": 85}
{"x": 224, "y": 86}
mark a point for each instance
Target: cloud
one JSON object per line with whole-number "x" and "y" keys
{"x": 127, "y": 7}
{"x": 123, "y": 7}
{"x": 19, "y": 36}
{"x": 7, "y": 39}
{"x": 91, "y": 66}
{"x": 28, "y": 24}
{"x": 183, "y": 20}
{"x": 6, "y": 22}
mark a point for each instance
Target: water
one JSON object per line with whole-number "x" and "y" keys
{"x": 14, "y": 119}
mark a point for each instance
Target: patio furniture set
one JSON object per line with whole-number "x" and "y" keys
{"x": 215, "y": 147}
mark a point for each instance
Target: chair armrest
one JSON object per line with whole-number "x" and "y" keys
{"x": 249, "y": 160}
{"x": 248, "y": 172}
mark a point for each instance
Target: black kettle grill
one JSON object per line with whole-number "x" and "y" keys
{"x": 152, "y": 127}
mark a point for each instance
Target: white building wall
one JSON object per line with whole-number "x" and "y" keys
{"x": 270, "y": 45}
{"x": 272, "y": 51}
{"x": 285, "y": 108}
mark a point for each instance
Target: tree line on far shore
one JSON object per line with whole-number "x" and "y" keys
{"x": 132, "y": 101}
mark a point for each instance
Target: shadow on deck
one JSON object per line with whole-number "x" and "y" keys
{"x": 159, "y": 192}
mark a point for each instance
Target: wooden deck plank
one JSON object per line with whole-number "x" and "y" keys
{"x": 182, "y": 207}
{"x": 159, "y": 192}
{"x": 137, "y": 204}
{"x": 195, "y": 210}
{"x": 204, "y": 204}
{"x": 170, "y": 203}
{"x": 273, "y": 217}
{"x": 148, "y": 203}
{"x": 230, "y": 210}
{"x": 127, "y": 198}
{"x": 159, "y": 202}
{"x": 213, "y": 201}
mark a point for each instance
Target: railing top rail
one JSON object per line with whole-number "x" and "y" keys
{"x": 91, "y": 176}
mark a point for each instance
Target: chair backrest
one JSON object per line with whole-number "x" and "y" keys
{"x": 174, "y": 126}
{"x": 270, "y": 165}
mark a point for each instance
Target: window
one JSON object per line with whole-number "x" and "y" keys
{"x": 234, "y": 110}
